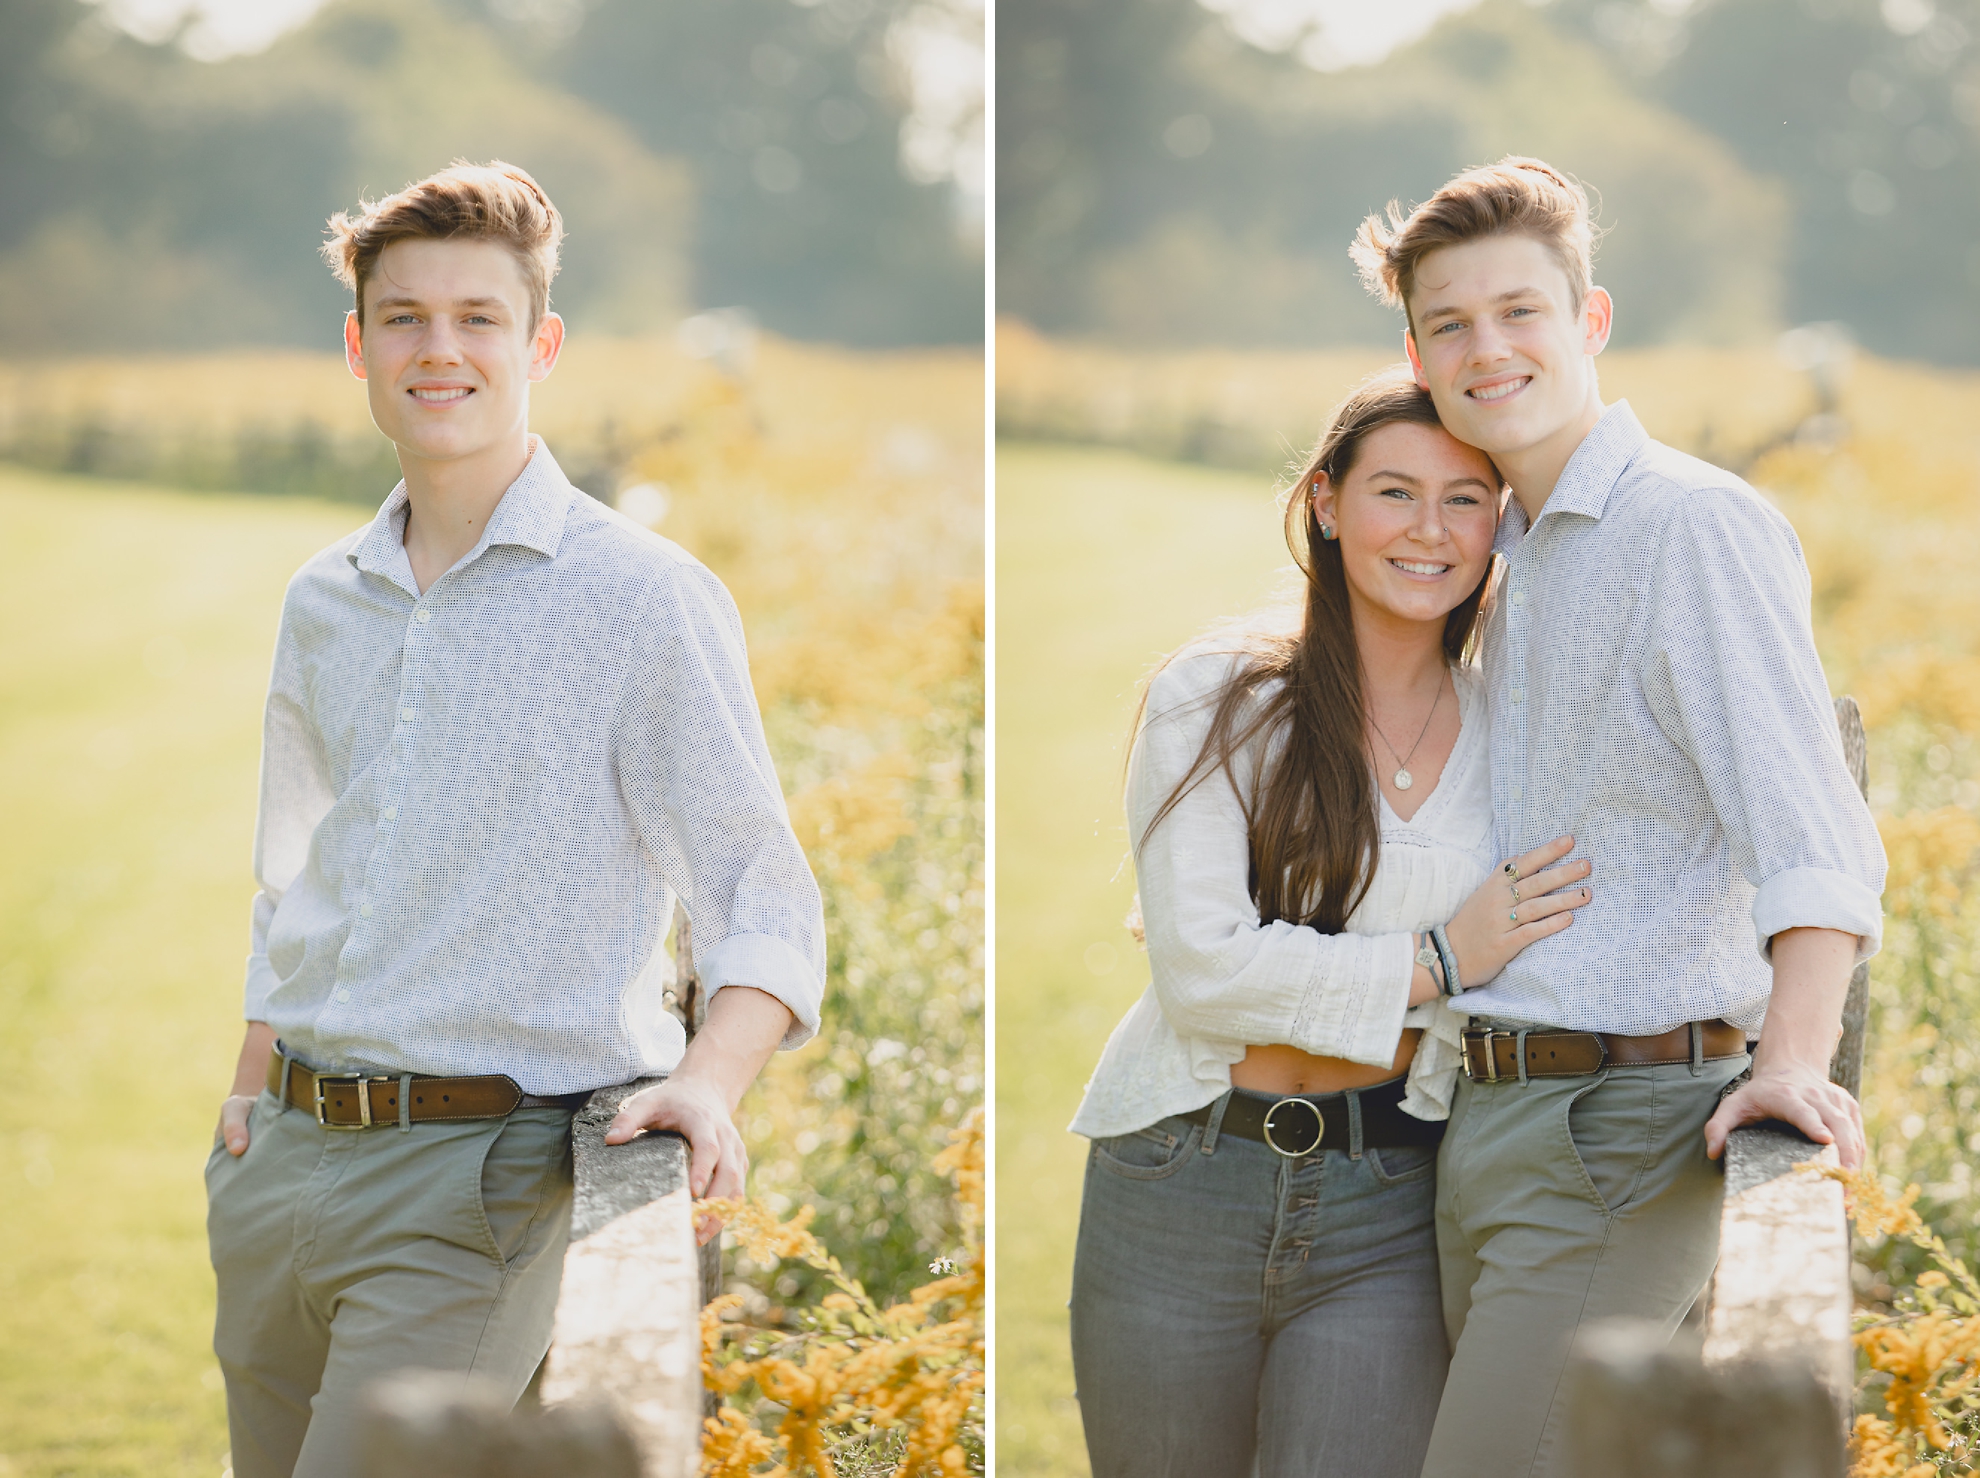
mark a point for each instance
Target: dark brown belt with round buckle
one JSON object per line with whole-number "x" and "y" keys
{"x": 1298, "y": 1124}
{"x": 371, "y": 1101}
{"x": 1495, "y": 1056}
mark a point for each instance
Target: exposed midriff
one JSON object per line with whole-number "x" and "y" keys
{"x": 1283, "y": 1069}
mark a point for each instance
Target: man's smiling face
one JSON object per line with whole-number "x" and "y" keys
{"x": 447, "y": 352}
{"x": 1498, "y": 342}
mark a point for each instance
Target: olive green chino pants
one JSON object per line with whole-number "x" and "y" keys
{"x": 1560, "y": 1201}
{"x": 342, "y": 1256}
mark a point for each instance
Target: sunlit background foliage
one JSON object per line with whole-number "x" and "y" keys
{"x": 168, "y": 164}
{"x": 1179, "y": 172}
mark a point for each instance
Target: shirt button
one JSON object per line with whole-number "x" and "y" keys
{"x": 1518, "y": 599}
{"x": 391, "y": 813}
{"x": 365, "y": 909}
{"x": 425, "y": 616}
{"x": 1518, "y": 695}
{"x": 1517, "y": 793}
{"x": 343, "y": 996}
{"x": 405, "y": 715}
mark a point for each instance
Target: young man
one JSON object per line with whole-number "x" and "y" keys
{"x": 505, "y": 728}
{"x": 1654, "y": 693}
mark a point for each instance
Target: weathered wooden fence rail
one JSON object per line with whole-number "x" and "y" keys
{"x": 1765, "y": 1389}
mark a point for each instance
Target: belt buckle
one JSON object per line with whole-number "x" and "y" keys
{"x": 1319, "y": 1127}
{"x": 357, "y": 1081}
{"x": 1483, "y": 1037}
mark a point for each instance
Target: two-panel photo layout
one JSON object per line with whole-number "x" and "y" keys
{"x": 1057, "y": 738}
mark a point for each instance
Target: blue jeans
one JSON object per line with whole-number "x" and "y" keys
{"x": 1231, "y": 1306}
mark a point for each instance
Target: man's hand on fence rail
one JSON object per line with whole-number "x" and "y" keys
{"x": 717, "y": 1161}
{"x": 698, "y": 1100}
{"x": 1794, "y": 1094}
{"x": 1790, "y": 1079}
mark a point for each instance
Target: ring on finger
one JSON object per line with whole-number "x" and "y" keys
{"x": 1515, "y": 893}
{"x": 1512, "y": 871}
{"x": 1514, "y": 916}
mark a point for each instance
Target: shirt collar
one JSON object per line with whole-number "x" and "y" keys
{"x": 1589, "y": 477}
{"x": 531, "y": 514}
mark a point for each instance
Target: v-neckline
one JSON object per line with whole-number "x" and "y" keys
{"x": 1440, "y": 789}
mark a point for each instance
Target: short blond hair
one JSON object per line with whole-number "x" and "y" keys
{"x": 473, "y": 202}
{"x": 1515, "y": 197}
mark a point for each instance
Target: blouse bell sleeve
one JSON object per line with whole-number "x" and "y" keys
{"x": 1218, "y": 971}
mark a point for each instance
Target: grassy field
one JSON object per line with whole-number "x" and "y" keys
{"x": 1105, "y": 561}
{"x": 135, "y": 628}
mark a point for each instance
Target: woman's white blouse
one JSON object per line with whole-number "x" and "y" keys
{"x": 1221, "y": 980}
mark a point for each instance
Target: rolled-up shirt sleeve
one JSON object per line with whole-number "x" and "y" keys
{"x": 1733, "y": 677}
{"x": 696, "y": 775}
{"x": 1220, "y": 973}
{"x": 295, "y": 795}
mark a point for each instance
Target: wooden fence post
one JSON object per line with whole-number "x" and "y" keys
{"x": 1846, "y": 1067}
{"x": 1640, "y": 1409}
{"x": 1782, "y": 1285}
{"x": 691, "y": 1005}
{"x": 426, "y": 1424}
{"x": 628, "y": 1318}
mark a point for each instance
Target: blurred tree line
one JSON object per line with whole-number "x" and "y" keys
{"x": 703, "y": 152}
{"x": 1760, "y": 162}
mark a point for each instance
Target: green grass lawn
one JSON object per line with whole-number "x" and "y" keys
{"x": 135, "y": 633}
{"x": 1104, "y": 562}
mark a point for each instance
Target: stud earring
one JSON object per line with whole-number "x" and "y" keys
{"x": 1327, "y": 532}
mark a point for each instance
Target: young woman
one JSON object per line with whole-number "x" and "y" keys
{"x": 1256, "y": 1276}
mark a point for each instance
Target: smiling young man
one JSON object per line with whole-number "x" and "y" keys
{"x": 1655, "y": 693}
{"x": 506, "y": 728}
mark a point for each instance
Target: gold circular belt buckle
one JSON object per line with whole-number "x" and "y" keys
{"x": 1298, "y": 1121}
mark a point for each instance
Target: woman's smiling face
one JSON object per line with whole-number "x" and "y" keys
{"x": 1415, "y": 517}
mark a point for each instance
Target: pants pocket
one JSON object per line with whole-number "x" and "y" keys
{"x": 1400, "y": 1163}
{"x": 217, "y": 1155}
{"x": 1154, "y": 1153}
{"x": 1610, "y": 1127}
{"x": 522, "y": 1170}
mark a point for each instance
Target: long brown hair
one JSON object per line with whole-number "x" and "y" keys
{"x": 1312, "y": 821}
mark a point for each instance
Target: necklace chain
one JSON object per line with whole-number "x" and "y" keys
{"x": 1403, "y": 778}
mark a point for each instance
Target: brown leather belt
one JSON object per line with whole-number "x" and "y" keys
{"x": 365, "y": 1101}
{"x": 1494, "y": 1056}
